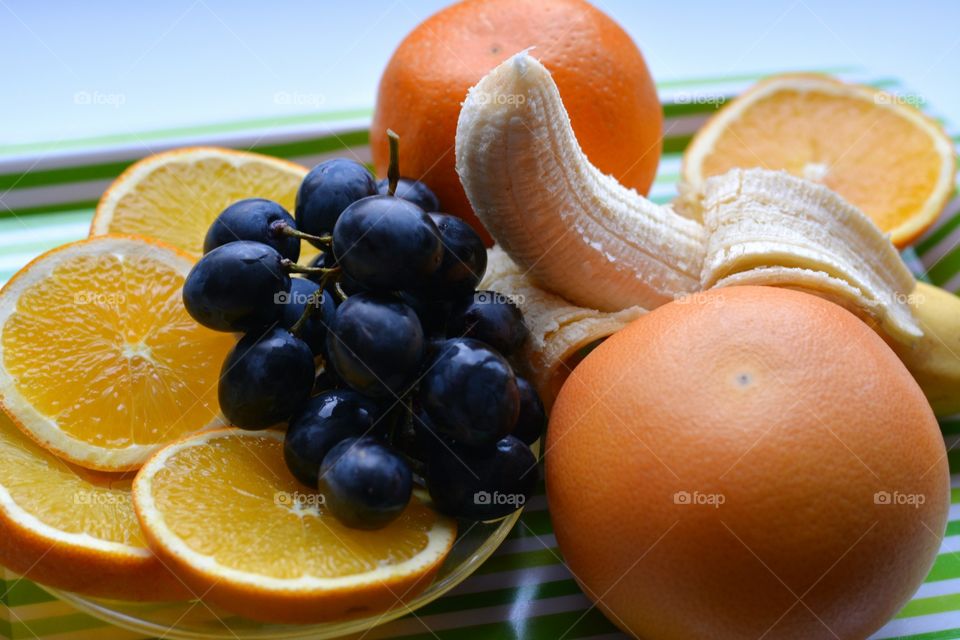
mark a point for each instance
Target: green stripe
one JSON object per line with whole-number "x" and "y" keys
{"x": 23, "y": 592}
{"x": 953, "y": 459}
{"x": 950, "y": 427}
{"x": 945, "y": 567}
{"x": 56, "y": 624}
{"x": 85, "y": 205}
{"x": 532, "y": 523}
{"x": 6, "y": 631}
{"x": 676, "y": 144}
{"x": 569, "y": 624}
{"x": 942, "y": 232}
{"x": 677, "y": 109}
{"x": 182, "y": 132}
{"x": 945, "y": 268}
{"x": 523, "y": 560}
{"x": 927, "y": 606}
{"x": 953, "y": 528}
{"x": 109, "y": 170}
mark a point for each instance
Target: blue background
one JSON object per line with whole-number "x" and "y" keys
{"x": 184, "y": 62}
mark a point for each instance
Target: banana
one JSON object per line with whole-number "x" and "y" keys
{"x": 560, "y": 332}
{"x": 576, "y": 231}
{"x": 585, "y": 237}
{"x": 771, "y": 228}
{"x": 934, "y": 360}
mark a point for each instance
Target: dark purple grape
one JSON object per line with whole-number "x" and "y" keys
{"x": 486, "y": 485}
{"x": 489, "y": 317}
{"x": 470, "y": 393}
{"x": 365, "y": 484}
{"x": 235, "y": 287}
{"x": 328, "y": 189}
{"x": 532, "y": 419}
{"x": 257, "y": 220}
{"x": 387, "y": 244}
{"x": 464, "y": 259}
{"x": 412, "y": 191}
{"x": 324, "y": 421}
{"x": 376, "y": 344}
{"x": 265, "y": 379}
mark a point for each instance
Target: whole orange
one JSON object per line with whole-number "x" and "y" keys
{"x": 749, "y": 462}
{"x": 602, "y": 77}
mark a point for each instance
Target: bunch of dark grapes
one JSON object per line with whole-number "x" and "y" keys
{"x": 386, "y": 364}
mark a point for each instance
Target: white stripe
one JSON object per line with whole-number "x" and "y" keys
{"x": 13, "y": 236}
{"x": 54, "y": 194}
{"x": 942, "y": 248}
{"x": 511, "y": 579}
{"x": 949, "y": 211}
{"x": 920, "y": 624}
{"x": 938, "y": 588}
{"x": 521, "y": 609}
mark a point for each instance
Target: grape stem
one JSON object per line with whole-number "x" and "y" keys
{"x": 313, "y": 304}
{"x": 292, "y": 267}
{"x": 393, "y": 169}
{"x": 281, "y": 228}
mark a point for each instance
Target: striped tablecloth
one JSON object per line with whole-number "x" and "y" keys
{"x": 47, "y": 196}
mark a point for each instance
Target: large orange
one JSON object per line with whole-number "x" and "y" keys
{"x": 750, "y": 462}
{"x": 601, "y": 74}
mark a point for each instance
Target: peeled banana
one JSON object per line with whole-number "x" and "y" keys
{"x": 582, "y": 235}
{"x": 560, "y": 332}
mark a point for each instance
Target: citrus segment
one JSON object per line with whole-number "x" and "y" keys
{"x": 222, "y": 507}
{"x": 100, "y": 362}
{"x": 73, "y": 528}
{"x": 174, "y": 196}
{"x": 873, "y": 148}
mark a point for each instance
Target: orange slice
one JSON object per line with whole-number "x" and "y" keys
{"x": 223, "y": 510}
{"x": 73, "y": 529}
{"x": 100, "y": 362}
{"x": 873, "y": 148}
{"x": 174, "y": 196}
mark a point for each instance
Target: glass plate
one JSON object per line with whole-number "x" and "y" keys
{"x": 476, "y": 541}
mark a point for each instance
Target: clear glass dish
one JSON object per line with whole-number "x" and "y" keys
{"x": 194, "y": 620}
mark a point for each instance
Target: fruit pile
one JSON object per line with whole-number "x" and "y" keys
{"x": 415, "y": 379}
